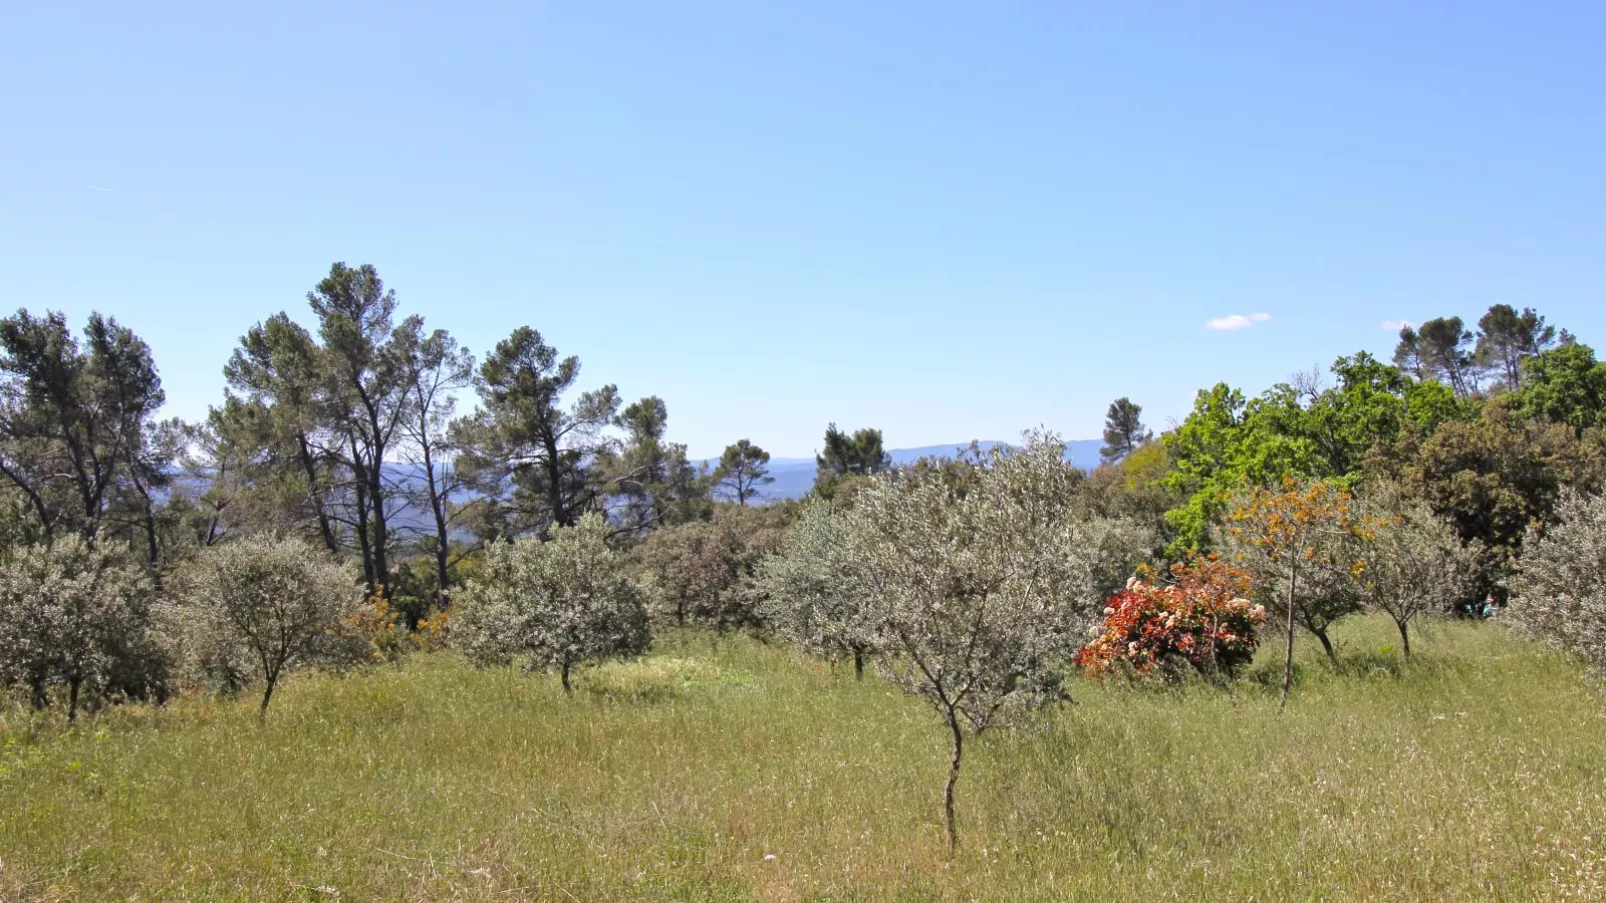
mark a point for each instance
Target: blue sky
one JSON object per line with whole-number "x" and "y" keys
{"x": 947, "y": 220}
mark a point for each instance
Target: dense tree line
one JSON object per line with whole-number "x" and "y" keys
{"x": 1485, "y": 428}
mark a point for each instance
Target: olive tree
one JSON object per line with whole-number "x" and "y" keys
{"x": 803, "y": 593}
{"x": 1299, "y": 541}
{"x": 1414, "y": 563}
{"x": 70, "y": 613}
{"x": 552, "y": 605}
{"x": 1556, "y": 592}
{"x": 979, "y": 583}
{"x": 253, "y": 609}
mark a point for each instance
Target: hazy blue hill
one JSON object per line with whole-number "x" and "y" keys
{"x": 795, "y": 476}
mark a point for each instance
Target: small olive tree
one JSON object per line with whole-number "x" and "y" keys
{"x": 1300, "y": 543}
{"x": 1414, "y": 563}
{"x": 554, "y": 604}
{"x": 253, "y": 609}
{"x": 70, "y": 613}
{"x": 1557, "y": 592}
{"x": 979, "y": 586}
{"x": 805, "y": 596}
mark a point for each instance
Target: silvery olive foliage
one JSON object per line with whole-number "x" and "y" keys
{"x": 977, "y": 582}
{"x": 552, "y": 605}
{"x": 1558, "y": 594}
{"x": 72, "y": 615}
{"x": 980, "y": 589}
{"x": 1414, "y": 563}
{"x": 805, "y": 594}
{"x": 250, "y": 610}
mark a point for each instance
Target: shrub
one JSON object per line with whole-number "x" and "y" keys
{"x": 378, "y": 622}
{"x": 1558, "y": 594}
{"x": 553, "y": 605}
{"x": 433, "y": 632}
{"x": 1201, "y": 622}
{"x": 1415, "y": 564}
{"x": 253, "y": 609}
{"x": 73, "y": 615}
{"x": 804, "y": 598}
{"x": 694, "y": 571}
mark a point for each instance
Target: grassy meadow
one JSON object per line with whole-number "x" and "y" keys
{"x": 730, "y": 770}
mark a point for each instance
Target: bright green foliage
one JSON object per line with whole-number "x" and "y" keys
{"x": 1370, "y": 403}
{"x": 1228, "y": 442}
{"x": 76, "y": 616}
{"x": 552, "y": 605}
{"x": 1564, "y": 385}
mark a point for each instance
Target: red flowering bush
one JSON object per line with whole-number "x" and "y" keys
{"x": 1199, "y": 620}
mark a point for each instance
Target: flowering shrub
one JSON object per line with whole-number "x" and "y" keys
{"x": 432, "y": 632}
{"x": 376, "y": 622}
{"x": 1200, "y": 620}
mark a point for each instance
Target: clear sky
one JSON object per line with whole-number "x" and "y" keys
{"x": 947, "y": 220}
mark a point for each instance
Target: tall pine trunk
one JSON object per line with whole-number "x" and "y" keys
{"x": 359, "y": 479}
{"x": 437, "y": 507}
{"x": 315, "y": 494}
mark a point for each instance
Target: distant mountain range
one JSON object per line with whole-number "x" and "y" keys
{"x": 794, "y": 477}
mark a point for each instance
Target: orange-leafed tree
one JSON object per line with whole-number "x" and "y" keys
{"x": 1300, "y": 542}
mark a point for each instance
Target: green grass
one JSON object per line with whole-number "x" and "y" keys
{"x": 1475, "y": 773}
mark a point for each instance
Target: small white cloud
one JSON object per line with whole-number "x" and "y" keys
{"x": 1236, "y": 321}
{"x": 1396, "y": 325}
{"x": 97, "y": 188}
